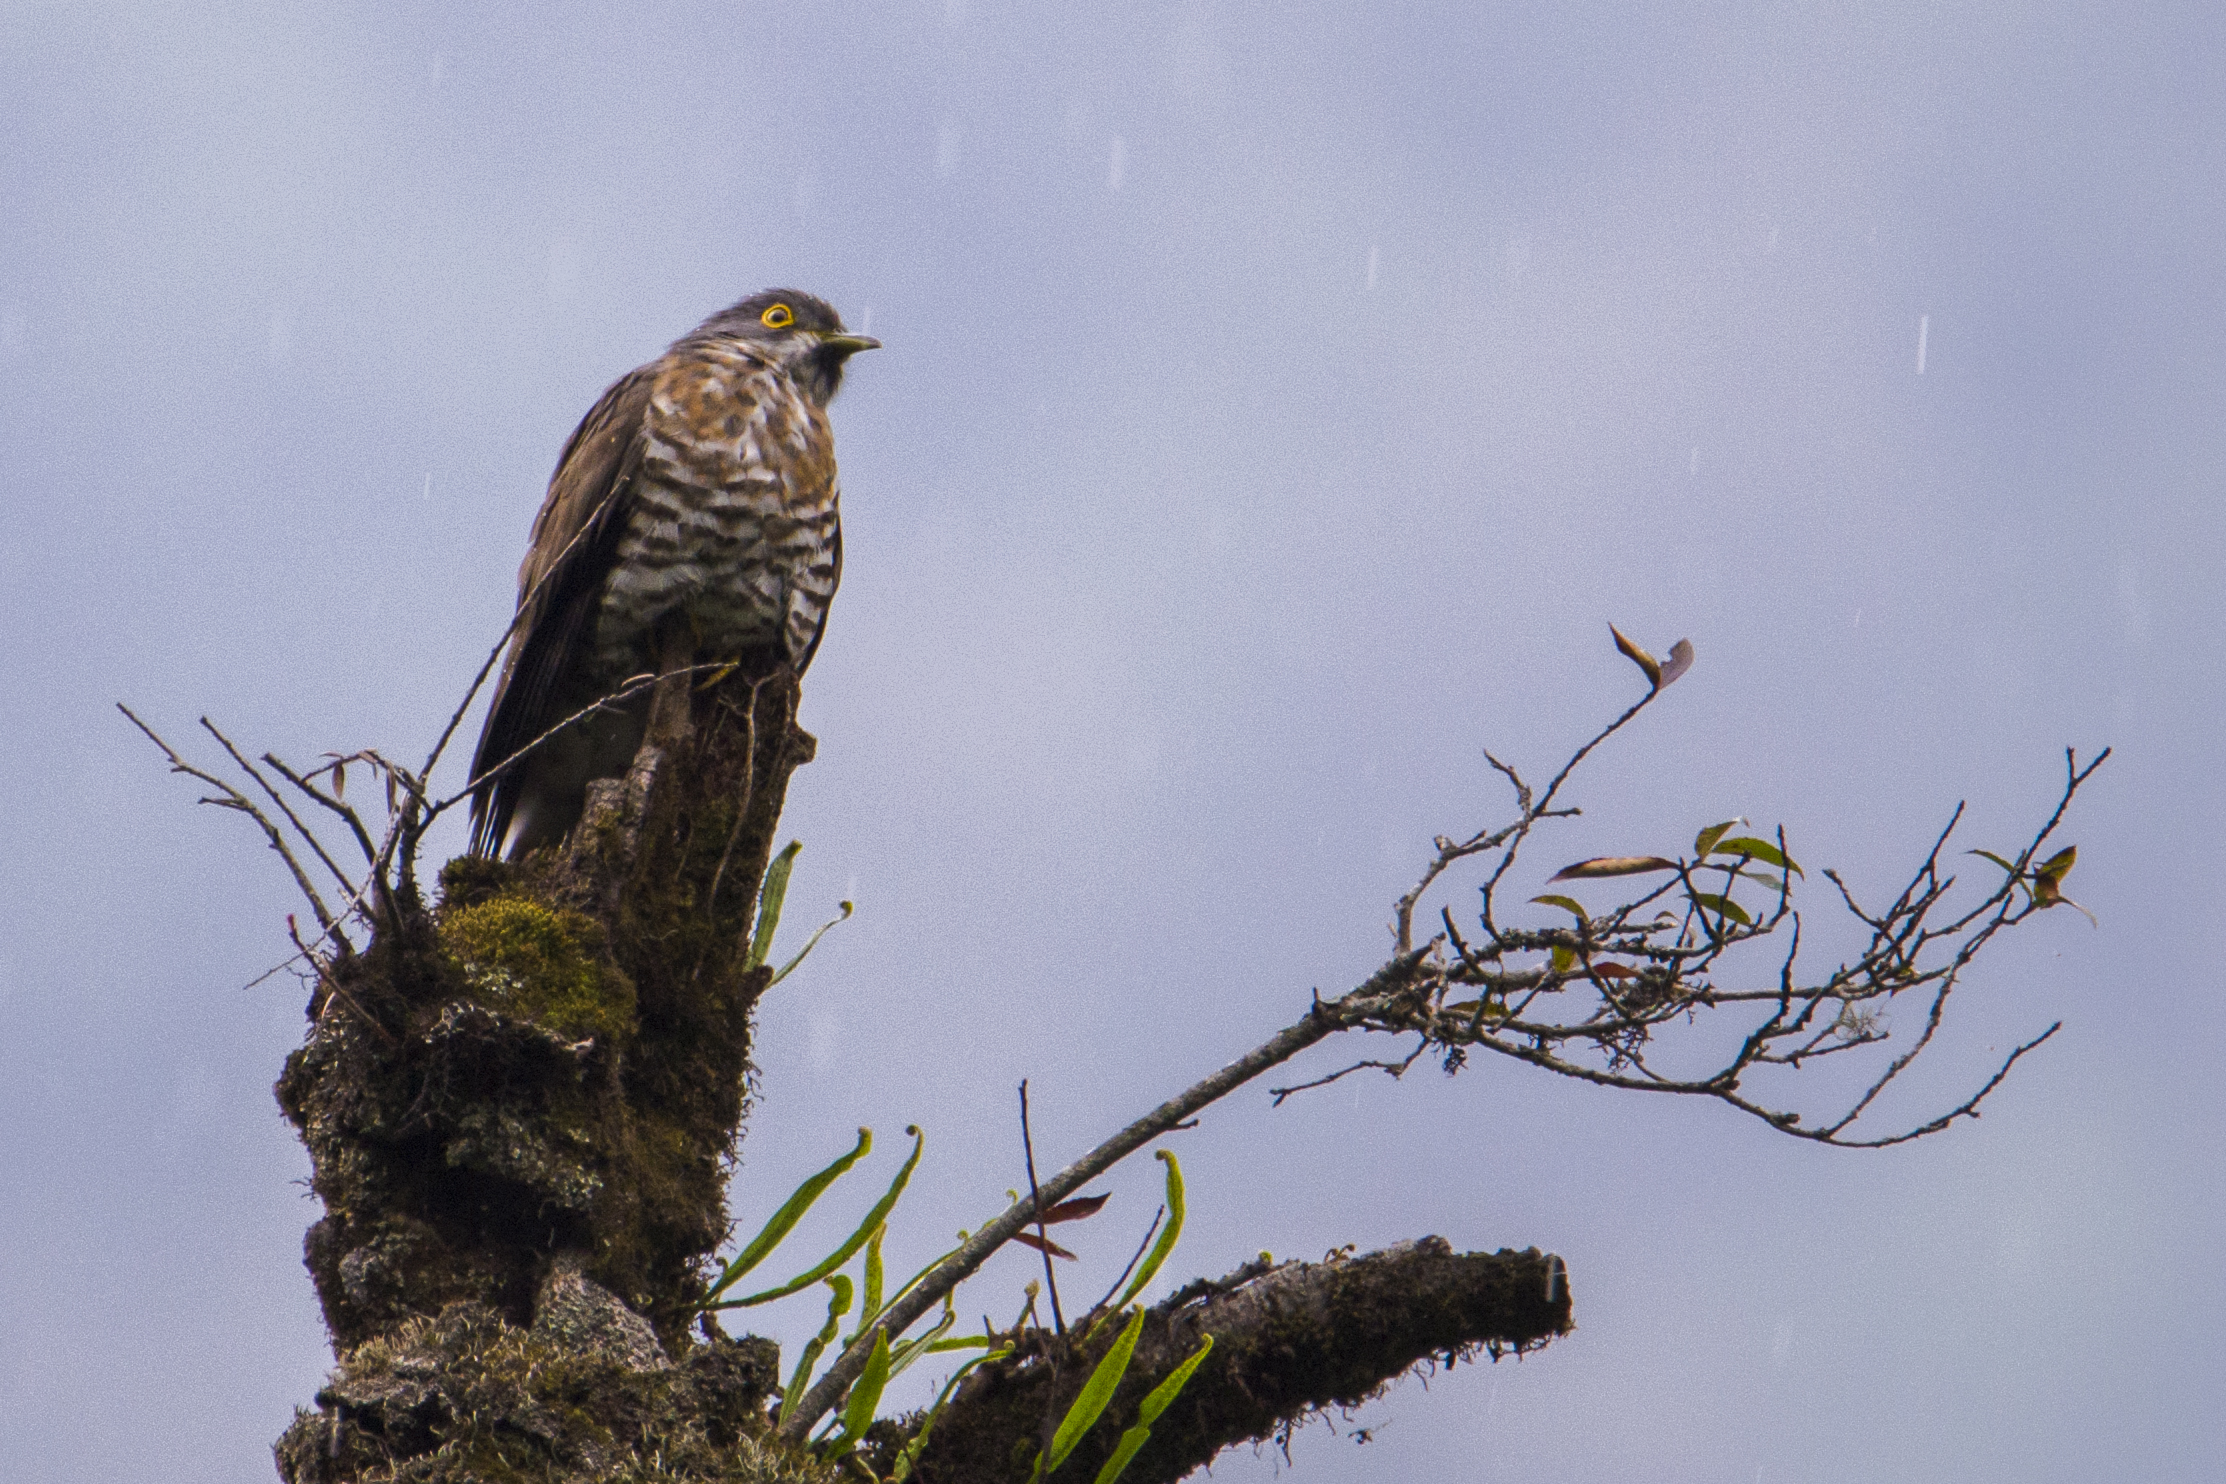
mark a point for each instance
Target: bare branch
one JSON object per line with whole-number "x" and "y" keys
{"x": 232, "y": 798}
{"x": 1395, "y": 982}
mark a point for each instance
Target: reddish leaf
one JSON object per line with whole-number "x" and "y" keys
{"x": 1075, "y": 1210}
{"x": 1030, "y": 1239}
{"x": 1613, "y": 971}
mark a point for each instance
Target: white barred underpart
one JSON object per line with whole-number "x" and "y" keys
{"x": 735, "y": 519}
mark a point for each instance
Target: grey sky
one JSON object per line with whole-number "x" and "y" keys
{"x": 1278, "y": 404}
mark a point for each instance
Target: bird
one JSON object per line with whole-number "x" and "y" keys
{"x": 700, "y": 490}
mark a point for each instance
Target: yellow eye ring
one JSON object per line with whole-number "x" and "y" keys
{"x": 779, "y": 317}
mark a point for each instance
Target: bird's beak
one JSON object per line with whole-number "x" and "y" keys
{"x": 848, "y": 345}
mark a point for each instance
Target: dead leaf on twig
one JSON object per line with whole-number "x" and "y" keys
{"x": 1613, "y": 865}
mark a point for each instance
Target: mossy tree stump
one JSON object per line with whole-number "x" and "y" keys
{"x": 534, "y": 1087}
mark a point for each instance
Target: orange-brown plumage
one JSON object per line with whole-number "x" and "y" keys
{"x": 701, "y": 488}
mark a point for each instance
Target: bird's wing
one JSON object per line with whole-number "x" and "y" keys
{"x": 559, "y": 585}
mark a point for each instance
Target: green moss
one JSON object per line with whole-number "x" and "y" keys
{"x": 542, "y": 963}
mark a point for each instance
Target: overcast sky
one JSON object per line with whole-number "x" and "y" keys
{"x": 1278, "y": 404}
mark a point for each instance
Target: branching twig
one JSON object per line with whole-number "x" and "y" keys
{"x": 231, "y": 798}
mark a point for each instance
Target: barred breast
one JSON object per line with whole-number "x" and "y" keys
{"x": 736, "y": 521}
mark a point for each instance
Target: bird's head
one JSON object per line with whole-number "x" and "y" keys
{"x": 802, "y": 330}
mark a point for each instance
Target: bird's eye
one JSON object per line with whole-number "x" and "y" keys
{"x": 779, "y": 317}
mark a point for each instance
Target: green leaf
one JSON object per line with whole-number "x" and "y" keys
{"x": 911, "y": 1454}
{"x": 1162, "y": 1397}
{"x": 1090, "y": 1404}
{"x": 1725, "y": 906}
{"x": 1761, "y": 850}
{"x": 784, "y": 1220}
{"x": 769, "y": 897}
{"x": 809, "y": 944}
{"x": 1564, "y": 959}
{"x": 873, "y": 1222}
{"x": 914, "y": 1281}
{"x": 865, "y": 1395}
{"x": 1168, "y": 1234}
{"x": 869, "y": 1297}
{"x": 1132, "y": 1443}
{"x": 2047, "y": 886}
{"x": 1570, "y": 905}
{"x": 837, "y": 1306}
{"x": 1706, "y": 840}
{"x": 1990, "y": 855}
{"x": 961, "y": 1342}
{"x": 904, "y": 1353}
{"x": 1613, "y": 865}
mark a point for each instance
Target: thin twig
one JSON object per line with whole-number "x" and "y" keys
{"x": 1050, "y": 1278}
{"x": 1394, "y": 981}
{"x": 232, "y": 798}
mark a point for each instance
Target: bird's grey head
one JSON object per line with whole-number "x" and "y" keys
{"x": 802, "y": 329}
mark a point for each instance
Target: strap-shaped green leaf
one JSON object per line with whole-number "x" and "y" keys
{"x": 911, "y": 1453}
{"x": 873, "y": 1222}
{"x": 1162, "y": 1397}
{"x": 769, "y": 898}
{"x": 785, "y": 1219}
{"x": 1164, "y": 1394}
{"x": 901, "y": 1356}
{"x": 869, "y": 1295}
{"x": 1567, "y": 904}
{"x": 1090, "y": 1404}
{"x": 809, "y": 944}
{"x": 1168, "y": 1236}
{"x": 838, "y": 1304}
{"x": 914, "y": 1281}
{"x": 865, "y": 1396}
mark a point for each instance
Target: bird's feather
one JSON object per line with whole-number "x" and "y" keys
{"x": 558, "y": 584}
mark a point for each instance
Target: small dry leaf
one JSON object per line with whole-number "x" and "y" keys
{"x": 1030, "y": 1239}
{"x": 1639, "y": 657}
{"x": 1680, "y": 660}
{"x": 1075, "y": 1210}
{"x": 1613, "y": 865}
{"x": 1613, "y": 971}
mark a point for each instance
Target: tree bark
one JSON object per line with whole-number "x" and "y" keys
{"x": 1289, "y": 1341}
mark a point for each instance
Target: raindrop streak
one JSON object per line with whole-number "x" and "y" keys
{"x": 1924, "y": 329}
{"x": 1372, "y": 259}
{"x": 1117, "y": 171}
